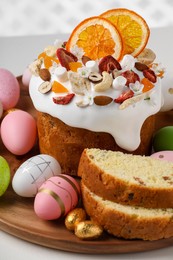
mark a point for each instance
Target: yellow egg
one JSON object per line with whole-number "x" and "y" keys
{"x": 88, "y": 230}
{"x": 74, "y": 217}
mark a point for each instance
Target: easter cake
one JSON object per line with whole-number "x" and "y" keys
{"x": 100, "y": 89}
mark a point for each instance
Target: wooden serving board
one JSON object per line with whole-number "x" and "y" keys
{"x": 17, "y": 216}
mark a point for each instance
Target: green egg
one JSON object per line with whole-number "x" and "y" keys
{"x": 4, "y": 175}
{"x": 163, "y": 139}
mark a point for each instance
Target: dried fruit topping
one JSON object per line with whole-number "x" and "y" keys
{"x": 45, "y": 87}
{"x": 57, "y": 87}
{"x": 63, "y": 100}
{"x": 109, "y": 63}
{"x": 85, "y": 59}
{"x": 131, "y": 77}
{"x": 45, "y": 74}
{"x": 65, "y": 57}
{"x": 95, "y": 77}
{"x": 102, "y": 100}
{"x": 96, "y": 37}
{"x": 79, "y": 84}
{"x": 132, "y": 27}
{"x": 74, "y": 66}
{"x": 48, "y": 61}
{"x": 125, "y": 95}
{"x": 149, "y": 74}
{"x": 105, "y": 84}
{"x": 141, "y": 66}
{"x": 147, "y": 85}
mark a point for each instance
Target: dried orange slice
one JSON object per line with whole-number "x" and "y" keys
{"x": 58, "y": 87}
{"x": 133, "y": 28}
{"x": 74, "y": 66}
{"x": 48, "y": 61}
{"x": 97, "y": 37}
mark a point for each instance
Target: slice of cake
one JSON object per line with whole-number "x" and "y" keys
{"x": 127, "y": 179}
{"x": 91, "y": 92}
{"x": 129, "y": 222}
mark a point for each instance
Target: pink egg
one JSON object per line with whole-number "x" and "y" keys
{"x": 56, "y": 197}
{"x": 163, "y": 155}
{"x": 9, "y": 89}
{"x": 26, "y": 77}
{"x": 18, "y": 132}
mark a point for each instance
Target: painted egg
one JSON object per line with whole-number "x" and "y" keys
{"x": 163, "y": 155}
{"x": 9, "y": 89}
{"x": 163, "y": 139}
{"x": 33, "y": 173}
{"x": 56, "y": 197}
{"x": 19, "y": 132}
{"x": 4, "y": 175}
{"x": 26, "y": 77}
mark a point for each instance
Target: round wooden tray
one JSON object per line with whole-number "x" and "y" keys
{"x": 17, "y": 216}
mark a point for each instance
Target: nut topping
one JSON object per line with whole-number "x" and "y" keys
{"x": 35, "y": 67}
{"x": 45, "y": 87}
{"x": 102, "y": 100}
{"x": 116, "y": 73}
{"x": 82, "y": 103}
{"x": 95, "y": 77}
{"x": 45, "y": 74}
{"x": 147, "y": 56}
{"x": 105, "y": 83}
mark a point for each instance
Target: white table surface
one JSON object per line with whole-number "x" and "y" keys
{"x": 15, "y": 54}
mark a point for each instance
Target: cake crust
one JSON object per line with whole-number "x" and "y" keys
{"x": 66, "y": 143}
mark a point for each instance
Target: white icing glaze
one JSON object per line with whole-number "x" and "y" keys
{"x": 167, "y": 91}
{"x": 123, "y": 124}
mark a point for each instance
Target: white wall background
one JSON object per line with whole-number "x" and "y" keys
{"x": 31, "y": 17}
